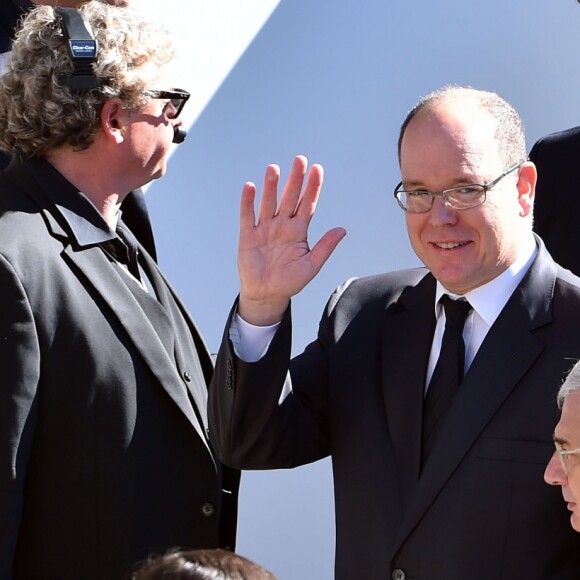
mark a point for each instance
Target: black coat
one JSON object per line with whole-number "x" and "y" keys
{"x": 103, "y": 450}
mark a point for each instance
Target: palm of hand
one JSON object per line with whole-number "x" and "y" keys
{"x": 275, "y": 260}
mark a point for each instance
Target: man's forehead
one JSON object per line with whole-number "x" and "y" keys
{"x": 449, "y": 145}
{"x": 462, "y": 122}
{"x": 451, "y": 139}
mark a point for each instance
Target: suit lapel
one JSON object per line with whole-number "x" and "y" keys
{"x": 407, "y": 337}
{"x": 507, "y": 353}
{"x": 98, "y": 272}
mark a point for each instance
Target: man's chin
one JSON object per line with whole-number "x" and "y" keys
{"x": 575, "y": 520}
{"x": 159, "y": 173}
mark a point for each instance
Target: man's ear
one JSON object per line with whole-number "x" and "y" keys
{"x": 527, "y": 179}
{"x": 114, "y": 120}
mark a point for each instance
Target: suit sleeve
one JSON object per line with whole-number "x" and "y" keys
{"x": 19, "y": 364}
{"x": 271, "y": 413}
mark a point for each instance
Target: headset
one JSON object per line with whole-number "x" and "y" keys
{"x": 82, "y": 49}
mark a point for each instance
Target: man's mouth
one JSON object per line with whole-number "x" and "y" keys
{"x": 450, "y": 245}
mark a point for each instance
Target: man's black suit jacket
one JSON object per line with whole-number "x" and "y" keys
{"x": 557, "y": 205}
{"x": 480, "y": 508}
{"x": 103, "y": 450}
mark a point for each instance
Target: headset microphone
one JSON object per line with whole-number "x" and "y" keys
{"x": 179, "y": 134}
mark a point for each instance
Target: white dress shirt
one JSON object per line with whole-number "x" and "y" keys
{"x": 487, "y": 302}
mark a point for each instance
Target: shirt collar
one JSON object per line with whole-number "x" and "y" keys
{"x": 488, "y": 300}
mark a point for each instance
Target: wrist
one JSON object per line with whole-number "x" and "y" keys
{"x": 262, "y": 312}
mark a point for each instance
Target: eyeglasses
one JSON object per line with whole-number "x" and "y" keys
{"x": 177, "y": 98}
{"x": 464, "y": 197}
{"x": 563, "y": 455}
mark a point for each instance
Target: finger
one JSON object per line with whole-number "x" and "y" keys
{"x": 268, "y": 201}
{"x": 325, "y": 246}
{"x": 307, "y": 204}
{"x": 291, "y": 193}
{"x": 247, "y": 215}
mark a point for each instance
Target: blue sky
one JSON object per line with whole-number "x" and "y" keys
{"x": 331, "y": 80}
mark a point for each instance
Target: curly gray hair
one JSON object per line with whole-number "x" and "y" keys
{"x": 38, "y": 110}
{"x": 570, "y": 385}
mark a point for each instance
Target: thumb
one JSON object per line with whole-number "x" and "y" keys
{"x": 323, "y": 249}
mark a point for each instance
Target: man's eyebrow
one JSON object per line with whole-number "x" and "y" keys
{"x": 456, "y": 182}
{"x": 560, "y": 440}
{"x": 415, "y": 184}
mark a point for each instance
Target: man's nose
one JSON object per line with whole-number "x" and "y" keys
{"x": 441, "y": 214}
{"x": 554, "y": 474}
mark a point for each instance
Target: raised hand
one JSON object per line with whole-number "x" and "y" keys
{"x": 274, "y": 260}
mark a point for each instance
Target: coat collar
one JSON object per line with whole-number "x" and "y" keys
{"x": 78, "y": 218}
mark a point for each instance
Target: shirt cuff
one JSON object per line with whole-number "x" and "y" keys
{"x": 250, "y": 342}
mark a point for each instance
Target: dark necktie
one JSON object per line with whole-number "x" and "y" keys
{"x": 448, "y": 372}
{"x": 132, "y": 246}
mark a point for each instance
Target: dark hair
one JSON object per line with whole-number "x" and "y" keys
{"x": 200, "y": 565}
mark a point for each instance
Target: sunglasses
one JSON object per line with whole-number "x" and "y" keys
{"x": 177, "y": 98}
